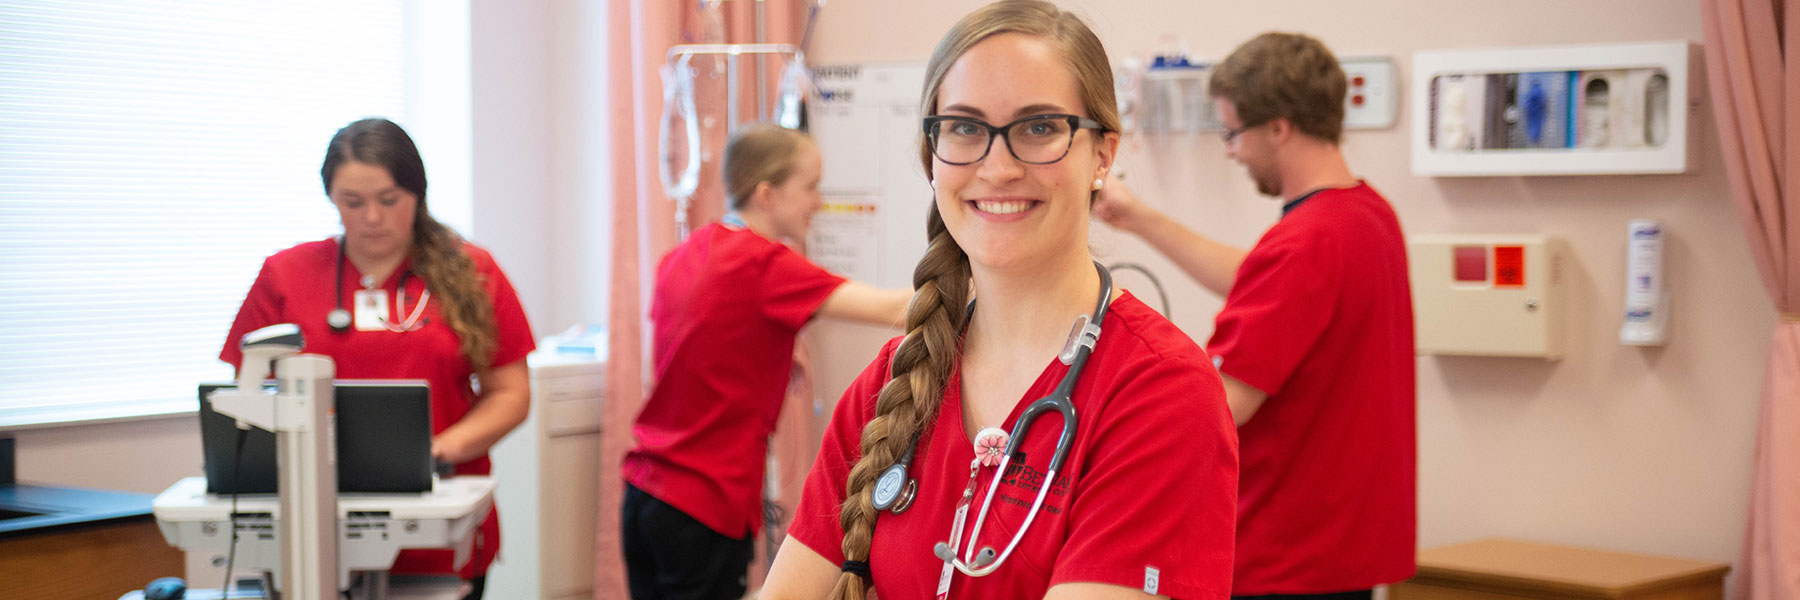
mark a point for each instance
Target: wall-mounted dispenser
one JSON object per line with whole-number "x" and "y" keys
{"x": 1646, "y": 296}
{"x": 1563, "y": 110}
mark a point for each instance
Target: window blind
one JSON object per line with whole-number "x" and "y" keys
{"x": 152, "y": 153}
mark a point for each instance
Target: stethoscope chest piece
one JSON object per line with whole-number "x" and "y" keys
{"x": 894, "y": 490}
{"x": 338, "y": 318}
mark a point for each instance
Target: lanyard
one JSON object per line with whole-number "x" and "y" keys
{"x": 990, "y": 444}
{"x": 956, "y": 528}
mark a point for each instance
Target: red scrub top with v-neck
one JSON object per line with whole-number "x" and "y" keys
{"x": 294, "y": 286}
{"x": 729, "y": 303}
{"x": 1146, "y": 498}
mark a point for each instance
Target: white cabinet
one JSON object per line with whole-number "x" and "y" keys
{"x": 548, "y": 472}
{"x": 1553, "y": 110}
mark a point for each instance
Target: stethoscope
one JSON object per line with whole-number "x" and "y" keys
{"x": 339, "y": 317}
{"x": 895, "y": 490}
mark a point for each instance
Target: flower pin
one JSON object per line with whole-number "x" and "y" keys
{"x": 990, "y": 446}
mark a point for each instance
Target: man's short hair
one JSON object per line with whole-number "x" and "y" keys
{"x": 1284, "y": 76}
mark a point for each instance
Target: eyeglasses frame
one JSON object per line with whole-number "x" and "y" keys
{"x": 1076, "y": 123}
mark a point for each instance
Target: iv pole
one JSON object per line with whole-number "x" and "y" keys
{"x": 679, "y": 57}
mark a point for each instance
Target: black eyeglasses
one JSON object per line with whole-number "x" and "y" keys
{"x": 1037, "y": 139}
{"x": 1231, "y": 134}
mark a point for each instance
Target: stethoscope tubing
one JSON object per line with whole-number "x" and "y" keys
{"x": 1059, "y": 400}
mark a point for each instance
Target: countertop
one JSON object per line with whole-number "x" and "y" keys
{"x": 63, "y": 506}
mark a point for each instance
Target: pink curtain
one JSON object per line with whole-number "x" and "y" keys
{"x": 644, "y": 217}
{"x": 1755, "y": 93}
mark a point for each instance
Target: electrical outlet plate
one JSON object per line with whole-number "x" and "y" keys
{"x": 1373, "y": 101}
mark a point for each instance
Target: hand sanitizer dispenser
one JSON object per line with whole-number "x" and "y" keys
{"x": 1646, "y": 298}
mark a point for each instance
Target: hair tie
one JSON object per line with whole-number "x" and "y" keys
{"x": 859, "y": 568}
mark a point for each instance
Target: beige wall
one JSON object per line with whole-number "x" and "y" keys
{"x": 143, "y": 456}
{"x": 1631, "y": 448}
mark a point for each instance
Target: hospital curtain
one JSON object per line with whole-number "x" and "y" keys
{"x": 644, "y": 217}
{"x": 1753, "y": 62}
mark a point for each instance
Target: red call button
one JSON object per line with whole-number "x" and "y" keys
{"x": 1509, "y": 266}
{"x": 1471, "y": 264}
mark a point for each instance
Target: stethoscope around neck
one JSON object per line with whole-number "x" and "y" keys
{"x": 894, "y": 490}
{"x": 339, "y": 318}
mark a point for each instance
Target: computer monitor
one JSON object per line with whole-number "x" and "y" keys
{"x": 383, "y": 441}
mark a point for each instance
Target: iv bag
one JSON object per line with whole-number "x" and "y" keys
{"x": 679, "y": 151}
{"x": 796, "y": 81}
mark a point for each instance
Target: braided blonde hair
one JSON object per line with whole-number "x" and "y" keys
{"x": 941, "y": 282}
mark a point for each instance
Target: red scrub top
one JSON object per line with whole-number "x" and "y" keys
{"x": 294, "y": 287}
{"x": 1146, "y": 498}
{"x": 1320, "y": 318}
{"x": 728, "y": 305}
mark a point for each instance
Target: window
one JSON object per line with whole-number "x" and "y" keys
{"x": 152, "y": 153}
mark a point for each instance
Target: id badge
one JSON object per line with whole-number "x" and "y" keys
{"x": 371, "y": 309}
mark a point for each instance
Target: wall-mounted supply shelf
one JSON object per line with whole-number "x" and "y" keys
{"x": 1553, "y": 110}
{"x": 1174, "y": 99}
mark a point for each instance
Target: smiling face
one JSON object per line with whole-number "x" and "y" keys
{"x": 793, "y": 201}
{"x": 377, "y": 213}
{"x": 1007, "y": 214}
{"x": 1250, "y": 148}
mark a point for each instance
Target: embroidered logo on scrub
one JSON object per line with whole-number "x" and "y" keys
{"x": 1019, "y": 485}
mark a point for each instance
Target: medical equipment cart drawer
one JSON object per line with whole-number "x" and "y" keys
{"x": 1502, "y": 569}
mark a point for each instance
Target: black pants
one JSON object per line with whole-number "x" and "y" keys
{"x": 1356, "y": 595}
{"x": 477, "y": 587}
{"x": 671, "y": 556}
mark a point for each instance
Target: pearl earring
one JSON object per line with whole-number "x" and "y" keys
{"x": 1098, "y": 183}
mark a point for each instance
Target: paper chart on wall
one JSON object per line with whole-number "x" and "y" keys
{"x": 844, "y": 237}
{"x": 865, "y": 119}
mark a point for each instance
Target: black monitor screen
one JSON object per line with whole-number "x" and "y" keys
{"x": 383, "y": 441}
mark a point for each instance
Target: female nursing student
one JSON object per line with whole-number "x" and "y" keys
{"x": 423, "y": 304}
{"x": 1021, "y": 131}
{"x": 729, "y": 302}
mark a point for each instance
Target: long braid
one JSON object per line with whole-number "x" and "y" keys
{"x": 941, "y": 282}
{"x": 911, "y": 398}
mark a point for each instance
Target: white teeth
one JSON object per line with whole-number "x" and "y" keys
{"x": 1002, "y": 207}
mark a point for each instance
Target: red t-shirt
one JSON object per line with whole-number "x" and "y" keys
{"x": 728, "y": 305}
{"x": 1320, "y": 318}
{"x": 294, "y": 287}
{"x": 1145, "y": 500}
